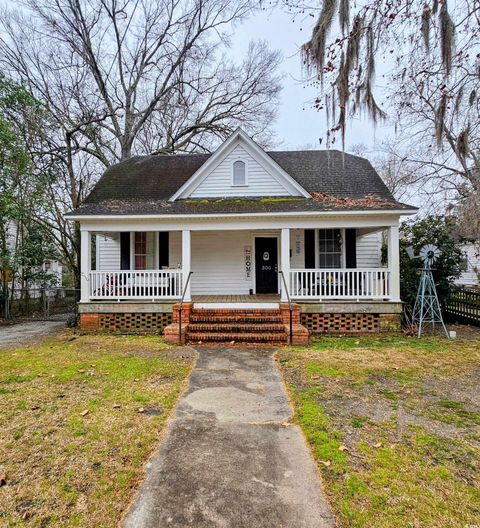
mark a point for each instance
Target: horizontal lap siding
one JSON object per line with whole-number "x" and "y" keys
{"x": 369, "y": 251}
{"x": 297, "y": 243}
{"x": 175, "y": 249}
{"x": 470, "y": 277}
{"x": 108, "y": 252}
{"x": 218, "y": 184}
{"x": 218, "y": 263}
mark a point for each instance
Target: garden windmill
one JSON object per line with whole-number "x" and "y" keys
{"x": 427, "y": 308}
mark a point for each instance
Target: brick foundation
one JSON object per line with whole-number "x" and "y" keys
{"x": 135, "y": 323}
{"x": 89, "y": 322}
{"x": 349, "y": 323}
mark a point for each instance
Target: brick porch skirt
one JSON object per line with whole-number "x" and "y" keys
{"x": 316, "y": 323}
{"x": 349, "y": 323}
{"x": 134, "y": 323}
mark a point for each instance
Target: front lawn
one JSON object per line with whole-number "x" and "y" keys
{"x": 79, "y": 417}
{"x": 394, "y": 424}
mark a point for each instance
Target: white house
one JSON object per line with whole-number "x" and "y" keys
{"x": 54, "y": 268}
{"x": 471, "y": 268}
{"x": 240, "y": 238}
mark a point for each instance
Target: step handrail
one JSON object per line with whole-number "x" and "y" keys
{"x": 180, "y": 306}
{"x": 290, "y": 306}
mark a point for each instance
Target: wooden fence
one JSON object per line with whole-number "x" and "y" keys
{"x": 464, "y": 306}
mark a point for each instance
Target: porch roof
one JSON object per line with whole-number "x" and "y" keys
{"x": 143, "y": 185}
{"x": 234, "y": 206}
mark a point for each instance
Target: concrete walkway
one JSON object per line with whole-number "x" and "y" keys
{"x": 17, "y": 334}
{"x": 230, "y": 458}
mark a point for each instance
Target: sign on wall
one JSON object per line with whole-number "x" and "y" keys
{"x": 247, "y": 256}
{"x": 298, "y": 243}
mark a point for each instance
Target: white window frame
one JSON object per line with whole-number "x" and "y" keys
{"x": 342, "y": 247}
{"x": 246, "y": 173}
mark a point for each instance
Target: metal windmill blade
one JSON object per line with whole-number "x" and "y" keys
{"x": 427, "y": 310}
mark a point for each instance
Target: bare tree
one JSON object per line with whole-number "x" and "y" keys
{"x": 428, "y": 86}
{"x": 131, "y": 65}
{"x": 124, "y": 77}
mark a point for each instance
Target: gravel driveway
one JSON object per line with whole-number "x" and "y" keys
{"x": 17, "y": 334}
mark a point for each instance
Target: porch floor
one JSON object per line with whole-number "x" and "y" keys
{"x": 259, "y": 298}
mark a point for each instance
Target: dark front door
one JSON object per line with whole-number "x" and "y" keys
{"x": 266, "y": 265}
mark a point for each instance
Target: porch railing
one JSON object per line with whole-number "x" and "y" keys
{"x": 356, "y": 284}
{"x": 145, "y": 284}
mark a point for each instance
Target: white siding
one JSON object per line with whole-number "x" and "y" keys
{"x": 218, "y": 262}
{"x": 108, "y": 252}
{"x": 297, "y": 248}
{"x": 175, "y": 249}
{"x": 472, "y": 256}
{"x": 369, "y": 250}
{"x": 218, "y": 183}
{"x": 11, "y": 235}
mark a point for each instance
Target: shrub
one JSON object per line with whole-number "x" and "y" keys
{"x": 430, "y": 230}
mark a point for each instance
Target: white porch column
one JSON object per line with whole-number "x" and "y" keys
{"x": 285, "y": 262}
{"x": 186, "y": 262}
{"x": 394, "y": 262}
{"x": 85, "y": 264}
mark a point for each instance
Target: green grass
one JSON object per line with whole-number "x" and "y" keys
{"x": 72, "y": 440}
{"x": 380, "y": 417}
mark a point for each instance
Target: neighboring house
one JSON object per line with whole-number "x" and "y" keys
{"x": 471, "y": 264}
{"x": 52, "y": 267}
{"x": 239, "y": 234}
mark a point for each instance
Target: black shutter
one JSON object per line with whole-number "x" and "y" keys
{"x": 125, "y": 251}
{"x": 309, "y": 248}
{"x": 163, "y": 249}
{"x": 351, "y": 248}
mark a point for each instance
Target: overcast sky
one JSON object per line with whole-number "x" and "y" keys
{"x": 298, "y": 124}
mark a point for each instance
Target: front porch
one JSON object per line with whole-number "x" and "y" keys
{"x": 334, "y": 277}
{"x": 292, "y": 264}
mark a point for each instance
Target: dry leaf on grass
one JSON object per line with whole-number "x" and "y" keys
{"x": 326, "y": 463}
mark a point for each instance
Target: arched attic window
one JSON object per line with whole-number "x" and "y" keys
{"x": 239, "y": 176}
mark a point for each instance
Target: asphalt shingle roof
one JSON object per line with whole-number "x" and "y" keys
{"x": 143, "y": 185}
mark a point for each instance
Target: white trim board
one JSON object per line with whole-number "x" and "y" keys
{"x": 337, "y": 213}
{"x": 244, "y": 223}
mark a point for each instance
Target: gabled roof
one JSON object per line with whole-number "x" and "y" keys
{"x": 145, "y": 185}
{"x": 240, "y": 138}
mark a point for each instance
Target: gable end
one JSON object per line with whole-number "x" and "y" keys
{"x": 263, "y": 176}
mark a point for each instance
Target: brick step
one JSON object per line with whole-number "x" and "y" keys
{"x": 234, "y": 319}
{"x": 234, "y": 327}
{"x": 236, "y": 311}
{"x": 264, "y": 337}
